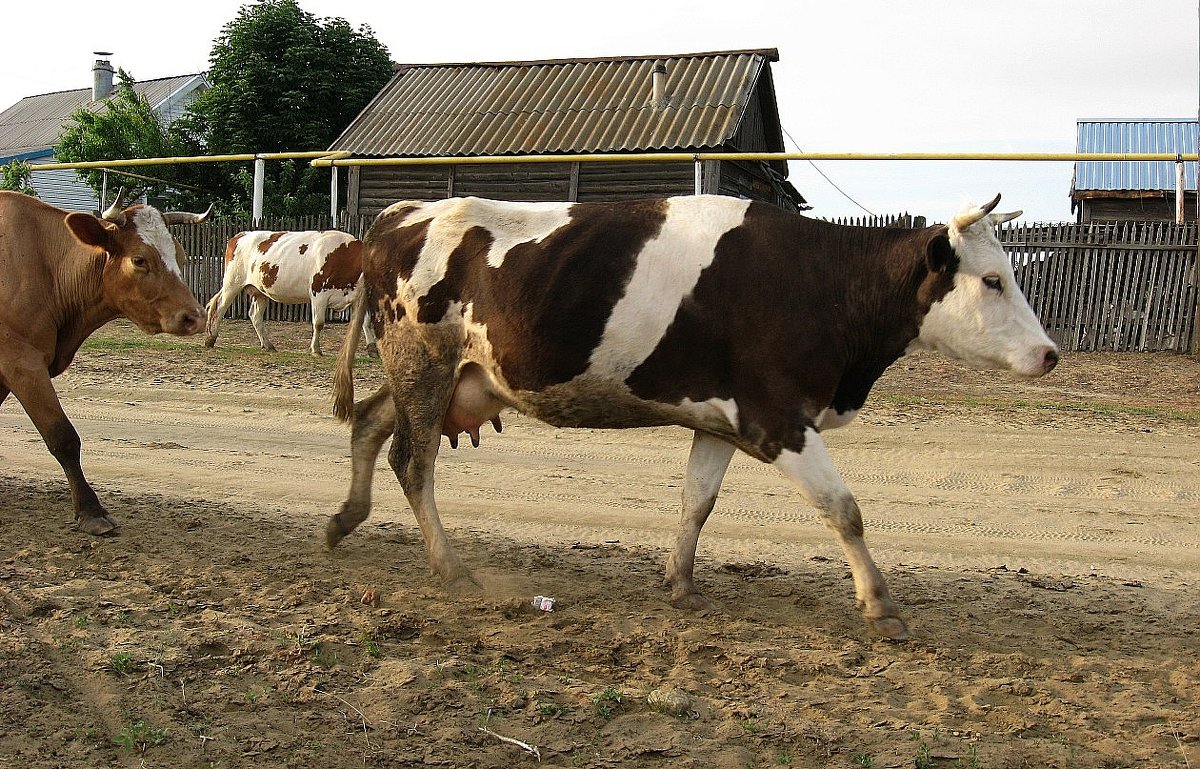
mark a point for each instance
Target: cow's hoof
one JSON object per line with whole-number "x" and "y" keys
{"x": 334, "y": 533}
{"x": 693, "y": 602}
{"x": 372, "y": 351}
{"x": 462, "y": 583}
{"x": 98, "y": 525}
{"x": 891, "y": 628}
{"x": 210, "y": 342}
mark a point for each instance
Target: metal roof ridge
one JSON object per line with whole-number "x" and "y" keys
{"x": 1135, "y": 120}
{"x": 771, "y": 54}
{"x": 89, "y": 88}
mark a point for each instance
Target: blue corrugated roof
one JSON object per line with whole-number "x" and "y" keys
{"x": 1126, "y": 135}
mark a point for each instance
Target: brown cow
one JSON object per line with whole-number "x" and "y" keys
{"x": 62, "y": 276}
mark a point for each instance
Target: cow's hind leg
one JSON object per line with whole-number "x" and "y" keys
{"x": 421, "y": 386}
{"x": 258, "y": 315}
{"x": 374, "y": 422}
{"x": 216, "y": 310}
{"x": 369, "y": 336}
{"x": 707, "y": 463}
{"x": 320, "y": 308}
{"x": 819, "y": 481}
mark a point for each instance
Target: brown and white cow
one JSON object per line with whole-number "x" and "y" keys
{"x": 756, "y": 328}
{"x": 62, "y": 276}
{"x": 320, "y": 268}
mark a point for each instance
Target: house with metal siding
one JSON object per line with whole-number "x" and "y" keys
{"x": 30, "y": 128}
{"x": 718, "y": 101}
{"x": 1133, "y": 190}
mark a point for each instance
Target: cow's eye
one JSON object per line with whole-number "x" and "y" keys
{"x": 139, "y": 262}
{"x": 993, "y": 282}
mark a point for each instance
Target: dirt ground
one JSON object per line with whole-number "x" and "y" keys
{"x": 1042, "y": 537}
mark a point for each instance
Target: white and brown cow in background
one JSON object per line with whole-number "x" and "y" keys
{"x": 755, "y": 327}
{"x": 62, "y": 276}
{"x": 320, "y": 268}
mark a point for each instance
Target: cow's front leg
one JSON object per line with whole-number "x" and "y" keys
{"x": 707, "y": 463}
{"x": 813, "y": 472}
{"x": 374, "y": 422}
{"x": 32, "y": 387}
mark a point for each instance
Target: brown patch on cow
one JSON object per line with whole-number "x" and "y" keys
{"x": 270, "y": 273}
{"x": 791, "y": 316}
{"x": 389, "y": 255}
{"x": 303, "y": 249}
{"x": 265, "y": 246}
{"x": 341, "y": 270}
{"x": 942, "y": 264}
{"x": 231, "y": 247}
{"x": 397, "y": 213}
{"x": 546, "y": 306}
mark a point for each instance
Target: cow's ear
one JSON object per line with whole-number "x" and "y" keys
{"x": 90, "y": 230}
{"x": 939, "y": 254}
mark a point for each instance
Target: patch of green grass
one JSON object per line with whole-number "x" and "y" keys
{"x": 370, "y": 646}
{"x": 865, "y": 760}
{"x": 82, "y": 620}
{"x": 90, "y": 735}
{"x": 323, "y": 656}
{"x": 121, "y": 663}
{"x": 103, "y": 343}
{"x": 605, "y": 701}
{"x": 752, "y": 725}
{"x": 552, "y": 709}
{"x": 972, "y": 759}
{"x": 924, "y": 758}
{"x": 1024, "y": 404}
{"x": 138, "y": 736}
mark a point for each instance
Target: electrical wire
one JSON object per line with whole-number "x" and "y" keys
{"x": 824, "y": 176}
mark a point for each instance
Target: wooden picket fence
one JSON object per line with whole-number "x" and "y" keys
{"x": 1109, "y": 286}
{"x": 1112, "y": 286}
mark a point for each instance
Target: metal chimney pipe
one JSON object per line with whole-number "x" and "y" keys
{"x": 659, "y": 83}
{"x": 102, "y": 76}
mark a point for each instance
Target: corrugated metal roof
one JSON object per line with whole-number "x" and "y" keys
{"x": 36, "y": 122}
{"x": 581, "y": 105}
{"x": 1155, "y": 135}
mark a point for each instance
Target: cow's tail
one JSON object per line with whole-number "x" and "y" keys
{"x": 343, "y": 375}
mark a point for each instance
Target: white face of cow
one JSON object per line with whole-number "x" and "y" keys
{"x": 985, "y": 320}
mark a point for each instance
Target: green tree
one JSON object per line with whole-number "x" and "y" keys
{"x": 283, "y": 80}
{"x": 125, "y": 126}
{"x": 15, "y": 176}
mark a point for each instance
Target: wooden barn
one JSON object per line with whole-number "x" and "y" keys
{"x": 718, "y": 101}
{"x": 1133, "y": 190}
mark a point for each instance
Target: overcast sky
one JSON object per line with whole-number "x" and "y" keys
{"x": 871, "y": 76}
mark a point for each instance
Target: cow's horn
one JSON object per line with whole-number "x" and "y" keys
{"x": 182, "y": 217}
{"x": 114, "y": 213}
{"x": 967, "y": 218}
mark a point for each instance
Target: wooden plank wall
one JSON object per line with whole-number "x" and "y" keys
{"x": 1112, "y": 286}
